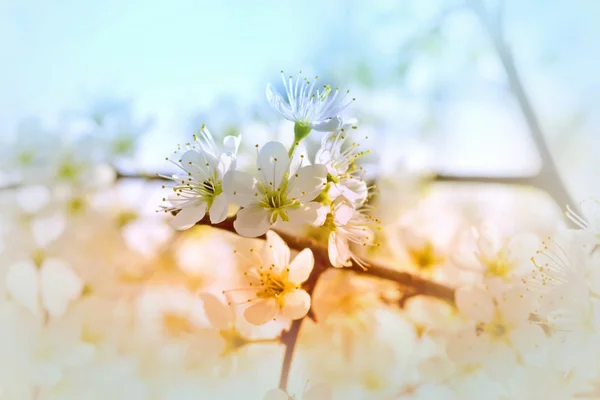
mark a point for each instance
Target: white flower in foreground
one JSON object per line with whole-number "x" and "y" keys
{"x": 318, "y": 391}
{"x": 200, "y": 188}
{"x": 347, "y": 226}
{"x": 309, "y": 107}
{"x": 276, "y": 282}
{"x": 277, "y": 194}
{"x": 501, "y": 333}
{"x": 339, "y": 158}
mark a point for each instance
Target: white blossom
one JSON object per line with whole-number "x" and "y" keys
{"x": 200, "y": 188}
{"x": 348, "y": 226}
{"x": 339, "y": 154}
{"x": 317, "y": 391}
{"x": 307, "y": 105}
{"x": 275, "y": 282}
{"x": 278, "y": 194}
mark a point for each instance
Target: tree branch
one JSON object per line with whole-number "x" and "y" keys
{"x": 549, "y": 178}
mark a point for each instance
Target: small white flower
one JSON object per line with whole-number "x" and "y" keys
{"x": 308, "y": 106}
{"x": 200, "y": 188}
{"x": 318, "y": 391}
{"x": 501, "y": 332}
{"x": 339, "y": 157}
{"x": 277, "y": 194}
{"x": 276, "y": 282}
{"x": 348, "y": 225}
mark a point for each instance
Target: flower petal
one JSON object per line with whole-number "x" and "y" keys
{"x": 319, "y": 391}
{"x": 187, "y": 217}
{"x": 273, "y": 163}
{"x": 329, "y": 125}
{"x": 276, "y": 394}
{"x": 310, "y": 213}
{"x": 465, "y": 347}
{"x": 252, "y": 221}
{"x": 528, "y": 337}
{"x": 59, "y": 285}
{"x": 277, "y": 102}
{"x": 343, "y": 212}
{"x": 219, "y": 315}
{"x": 240, "y": 187}
{"x": 219, "y": 208}
{"x": 515, "y": 305}
{"x": 296, "y": 304}
{"x": 231, "y": 143}
{"x": 261, "y": 312}
{"x": 338, "y": 251}
{"x": 194, "y": 162}
{"x": 276, "y": 252}
{"x": 308, "y": 182}
{"x": 301, "y": 266}
{"x": 475, "y": 303}
{"x": 22, "y": 284}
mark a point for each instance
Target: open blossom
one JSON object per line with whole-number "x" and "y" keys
{"x": 275, "y": 282}
{"x": 339, "y": 158}
{"x": 318, "y": 391}
{"x": 347, "y": 226}
{"x": 199, "y": 189}
{"x": 308, "y": 106}
{"x": 499, "y": 258}
{"x": 501, "y": 332}
{"x": 277, "y": 195}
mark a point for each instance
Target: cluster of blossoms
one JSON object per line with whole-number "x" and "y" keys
{"x": 285, "y": 189}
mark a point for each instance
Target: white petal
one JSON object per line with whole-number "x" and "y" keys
{"x": 22, "y": 284}
{"x": 319, "y": 391}
{"x": 219, "y": 208}
{"x": 252, "y": 221}
{"x": 187, "y": 217}
{"x": 276, "y": 394}
{"x": 240, "y": 187}
{"x": 296, "y": 304}
{"x": 276, "y": 251}
{"x": 308, "y": 182}
{"x": 500, "y": 362}
{"x": 466, "y": 347}
{"x": 528, "y": 337}
{"x": 193, "y": 162}
{"x": 219, "y": 315}
{"x": 310, "y": 213}
{"x": 515, "y": 305}
{"x": 301, "y": 266}
{"x": 343, "y": 213}
{"x": 273, "y": 162}
{"x": 475, "y": 303}
{"x": 522, "y": 247}
{"x": 278, "y": 103}
{"x": 329, "y": 125}
{"x": 59, "y": 285}
{"x": 261, "y": 312}
{"x": 231, "y": 143}
{"x": 354, "y": 190}
{"x": 338, "y": 251}
{"x": 48, "y": 229}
